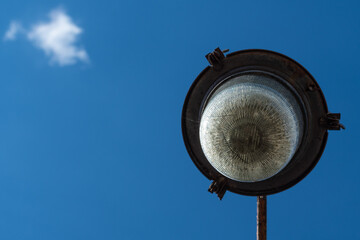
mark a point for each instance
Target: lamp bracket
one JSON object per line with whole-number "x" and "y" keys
{"x": 216, "y": 58}
{"x": 219, "y": 187}
{"x": 332, "y": 121}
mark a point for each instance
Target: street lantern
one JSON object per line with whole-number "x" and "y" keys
{"x": 255, "y": 122}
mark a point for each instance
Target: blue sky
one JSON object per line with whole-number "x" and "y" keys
{"x": 92, "y": 149}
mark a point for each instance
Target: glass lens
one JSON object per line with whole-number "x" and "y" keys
{"x": 251, "y": 127}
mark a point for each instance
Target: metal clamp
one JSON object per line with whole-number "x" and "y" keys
{"x": 332, "y": 121}
{"x": 216, "y": 58}
{"x": 218, "y": 187}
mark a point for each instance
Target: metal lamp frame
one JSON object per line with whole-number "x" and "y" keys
{"x": 292, "y": 75}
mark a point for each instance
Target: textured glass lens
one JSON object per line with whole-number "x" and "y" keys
{"x": 251, "y": 127}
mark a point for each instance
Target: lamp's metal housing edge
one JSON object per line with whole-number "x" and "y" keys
{"x": 315, "y": 136}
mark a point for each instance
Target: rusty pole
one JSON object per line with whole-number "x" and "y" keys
{"x": 261, "y": 218}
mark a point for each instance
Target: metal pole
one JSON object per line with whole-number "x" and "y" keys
{"x": 261, "y": 218}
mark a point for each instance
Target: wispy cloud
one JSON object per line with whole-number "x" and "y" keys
{"x": 14, "y": 28}
{"x": 57, "y": 38}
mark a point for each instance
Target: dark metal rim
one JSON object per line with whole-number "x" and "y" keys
{"x": 314, "y": 104}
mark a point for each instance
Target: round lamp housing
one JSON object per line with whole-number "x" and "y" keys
{"x": 255, "y": 122}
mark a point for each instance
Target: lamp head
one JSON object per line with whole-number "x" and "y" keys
{"x": 254, "y": 122}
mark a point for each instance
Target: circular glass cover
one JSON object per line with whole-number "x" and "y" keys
{"x": 251, "y": 127}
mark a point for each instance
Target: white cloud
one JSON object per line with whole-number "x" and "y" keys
{"x": 56, "y": 37}
{"x": 14, "y": 28}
